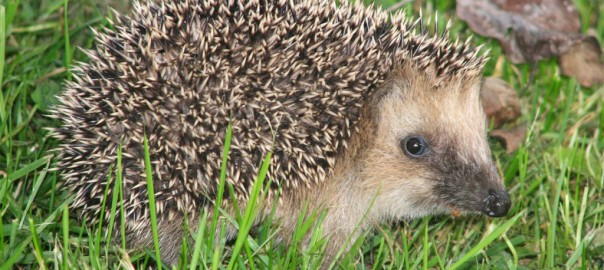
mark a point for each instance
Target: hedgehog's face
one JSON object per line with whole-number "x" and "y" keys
{"x": 431, "y": 153}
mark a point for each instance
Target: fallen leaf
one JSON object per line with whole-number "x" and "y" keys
{"x": 510, "y": 138}
{"x": 583, "y": 61}
{"x": 527, "y": 30}
{"x": 499, "y": 101}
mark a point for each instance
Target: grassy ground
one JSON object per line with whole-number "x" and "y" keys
{"x": 555, "y": 179}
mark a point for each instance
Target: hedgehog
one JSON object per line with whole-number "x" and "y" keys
{"x": 368, "y": 116}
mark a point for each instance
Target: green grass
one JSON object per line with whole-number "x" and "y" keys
{"x": 555, "y": 179}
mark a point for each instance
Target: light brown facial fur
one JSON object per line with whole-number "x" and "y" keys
{"x": 377, "y": 181}
{"x": 452, "y": 122}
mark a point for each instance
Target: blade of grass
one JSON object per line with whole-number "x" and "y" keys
{"x": 575, "y": 256}
{"x": 405, "y": 255}
{"x": 581, "y": 218}
{"x": 249, "y": 253}
{"x": 116, "y": 193}
{"x": 380, "y": 254}
{"x": 216, "y": 251}
{"x": 437, "y": 255}
{"x": 2, "y": 246}
{"x": 215, "y": 256}
{"x": 67, "y": 43}
{"x": 65, "y": 229}
{"x": 27, "y": 169}
{"x": 512, "y": 249}
{"x": 37, "y": 185}
{"x": 3, "y": 27}
{"x": 250, "y": 211}
{"x": 99, "y": 231}
{"x": 198, "y": 240}
{"x": 36, "y": 241}
{"x": 426, "y": 245}
{"x": 151, "y": 195}
{"x": 487, "y": 240}
{"x": 553, "y": 224}
{"x": 121, "y": 197}
{"x": 221, "y": 185}
{"x": 54, "y": 190}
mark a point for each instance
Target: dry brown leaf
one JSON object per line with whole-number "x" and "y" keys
{"x": 527, "y": 30}
{"x": 499, "y": 101}
{"x": 510, "y": 138}
{"x": 583, "y": 61}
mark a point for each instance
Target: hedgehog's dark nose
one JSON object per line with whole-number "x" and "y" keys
{"x": 497, "y": 204}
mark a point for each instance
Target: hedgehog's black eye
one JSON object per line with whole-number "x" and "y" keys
{"x": 414, "y": 146}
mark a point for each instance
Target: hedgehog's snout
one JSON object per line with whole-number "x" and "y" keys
{"x": 497, "y": 203}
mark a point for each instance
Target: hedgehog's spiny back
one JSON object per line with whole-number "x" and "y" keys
{"x": 181, "y": 71}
